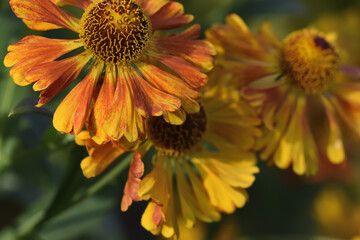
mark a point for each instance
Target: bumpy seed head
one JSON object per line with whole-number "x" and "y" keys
{"x": 177, "y": 140}
{"x": 309, "y": 61}
{"x": 115, "y": 31}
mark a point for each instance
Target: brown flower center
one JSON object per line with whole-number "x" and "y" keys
{"x": 115, "y": 31}
{"x": 177, "y": 140}
{"x": 309, "y": 61}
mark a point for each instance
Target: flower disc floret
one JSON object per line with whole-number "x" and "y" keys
{"x": 309, "y": 61}
{"x": 115, "y": 31}
{"x": 177, "y": 140}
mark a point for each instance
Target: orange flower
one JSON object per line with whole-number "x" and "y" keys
{"x": 300, "y": 87}
{"x": 119, "y": 39}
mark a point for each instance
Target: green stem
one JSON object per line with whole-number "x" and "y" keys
{"x": 5, "y": 106}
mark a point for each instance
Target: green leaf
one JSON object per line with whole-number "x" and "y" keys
{"x": 28, "y": 105}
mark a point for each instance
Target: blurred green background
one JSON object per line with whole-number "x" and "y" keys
{"x": 34, "y": 158}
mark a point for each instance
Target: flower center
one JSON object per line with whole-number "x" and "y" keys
{"x": 177, "y": 140}
{"x": 309, "y": 61}
{"x": 115, "y": 31}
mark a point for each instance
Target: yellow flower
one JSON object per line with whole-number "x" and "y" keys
{"x": 119, "y": 39}
{"x": 201, "y": 168}
{"x": 299, "y": 86}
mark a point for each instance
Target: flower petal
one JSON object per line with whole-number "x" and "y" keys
{"x": 171, "y": 84}
{"x": 102, "y": 103}
{"x": 188, "y": 72}
{"x": 99, "y": 159}
{"x": 198, "y": 52}
{"x": 148, "y": 100}
{"x": 71, "y": 114}
{"x": 76, "y": 3}
{"x": 335, "y": 148}
{"x": 44, "y": 11}
{"x": 53, "y": 77}
{"x": 151, "y": 6}
{"x": 122, "y": 118}
{"x": 34, "y": 50}
{"x": 170, "y": 16}
{"x": 136, "y": 171}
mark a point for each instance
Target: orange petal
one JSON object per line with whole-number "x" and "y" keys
{"x": 122, "y": 119}
{"x": 198, "y": 52}
{"x": 39, "y": 11}
{"x": 151, "y": 6}
{"x": 102, "y": 103}
{"x": 136, "y": 171}
{"x": 72, "y": 112}
{"x": 170, "y": 16}
{"x": 76, "y": 3}
{"x": 55, "y": 76}
{"x": 34, "y": 50}
{"x": 148, "y": 100}
{"x": 171, "y": 84}
{"x": 188, "y": 72}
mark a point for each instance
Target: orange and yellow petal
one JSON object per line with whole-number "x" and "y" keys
{"x": 35, "y": 50}
{"x": 100, "y": 155}
{"x": 151, "y": 6}
{"x": 83, "y": 4}
{"x": 172, "y": 85}
{"x": 101, "y": 105}
{"x": 52, "y": 77}
{"x": 197, "y": 52}
{"x": 71, "y": 114}
{"x": 122, "y": 119}
{"x": 44, "y": 11}
{"x": 148, "y": 100}
{"x": 170, "y": 16}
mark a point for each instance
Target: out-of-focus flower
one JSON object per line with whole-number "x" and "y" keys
{"x": 336, "y": 214}
{"x": 201, "y": 168}
{"x": 300, "y": 88}
{"x": 120, "y": 39}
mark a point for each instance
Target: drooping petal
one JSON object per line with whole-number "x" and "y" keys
{"x": 53, "y": 77}
{"x": 122, "y": 119}
{"x": 44, "y": 11}
{"x": 100, "y": 158}
{"x": 198, "y": 52}
{"x": 172, "y": 85}
{"x": 35, "y": 50}
{"x": 188, "y": 72}
{"x": 71, "y": 114}
{"x": 136, "y": 171}
{"x": 335, "y": 148}
{"x": 170, "y": 16}
{"x": 207, "y": 212}
{"x": 297, "y": 146}
{"x": 148, "y": 100}
{"x": 101, "y": 106}
{"x": 221, "y": 194}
